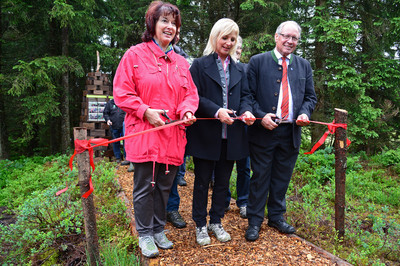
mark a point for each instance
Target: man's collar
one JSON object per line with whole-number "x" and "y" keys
{"x": 279, "y": 56}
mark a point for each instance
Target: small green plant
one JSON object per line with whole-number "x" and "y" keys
{"x": 112, "y": 254}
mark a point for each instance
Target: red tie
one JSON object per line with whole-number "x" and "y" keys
{"x": 285, "y": 91}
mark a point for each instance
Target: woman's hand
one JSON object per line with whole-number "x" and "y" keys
{"x": 224, "y": 117}
{"x": 248, "y": 118}
{"x": 191, "y": 117}
{"x": 153, "y": 116}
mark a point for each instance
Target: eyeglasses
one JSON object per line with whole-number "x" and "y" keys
{"x": 288, "y": 37}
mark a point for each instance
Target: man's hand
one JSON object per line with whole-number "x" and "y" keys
{"x": 302, "y": 120}
{"x": 153, "y": 116}
{"x": 109, "y": 122}
{"x": 248, "y": 118}
{"x": 267, "y": 121}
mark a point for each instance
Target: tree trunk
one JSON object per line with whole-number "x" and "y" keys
{"x": 65, "y": 118}
{"x": 2, "y": 118}
{"x": 319, "y": 54}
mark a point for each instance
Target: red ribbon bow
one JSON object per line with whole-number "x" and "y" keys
{"x": 81, "y": 146}
{"x": 331, "y": 130}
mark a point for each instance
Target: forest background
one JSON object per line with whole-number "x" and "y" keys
{"x": 48, "y": 46}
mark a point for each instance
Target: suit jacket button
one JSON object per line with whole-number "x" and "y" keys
{"x": 278, "y": 81}
{"x": 280, "y": 68}
{"x": 273, "y": 108}
{"x": 275, "y": 94}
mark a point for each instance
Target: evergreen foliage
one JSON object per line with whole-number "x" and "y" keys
{"x": 352, "y": 45}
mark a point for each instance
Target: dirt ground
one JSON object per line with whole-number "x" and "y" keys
{"x": 272, "y": 248}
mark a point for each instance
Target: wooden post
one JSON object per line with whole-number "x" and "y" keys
{"x": 340, "y": 171}
{"x": 89, "y": 211}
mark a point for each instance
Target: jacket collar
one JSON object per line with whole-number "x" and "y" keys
{"x": 291, "y": 56}
{"x": 210, "y": 68}
{"x": 156, "y": 50}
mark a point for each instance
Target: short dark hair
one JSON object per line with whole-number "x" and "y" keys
{"x": 154, "y": 12}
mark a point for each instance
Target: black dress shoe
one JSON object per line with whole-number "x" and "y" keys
{"x": 252, "y": 233}
{"x": 176, "y": 219}
{"x": 282, "y": 226}
{"x": 182, "y": 182}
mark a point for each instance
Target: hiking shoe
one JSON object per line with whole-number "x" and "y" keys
{"x": 202, "y": 237}
{"x": 148, "y": 247}
{"x": 131, "y": 167}
{"x": 219, "y": 232}
{"x": 243, "y": 212}
{"x": 125, "y": 162}
{"x": 162, "y": 241}
{"x": 175, "y": 218}
{"x": 182, "y": 182}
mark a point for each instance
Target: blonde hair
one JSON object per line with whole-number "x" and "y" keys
{"x": 222, "y": 27}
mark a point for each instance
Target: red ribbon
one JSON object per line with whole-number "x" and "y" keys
{"x": 331, "y": 130}
{"x": 83, "y": 145}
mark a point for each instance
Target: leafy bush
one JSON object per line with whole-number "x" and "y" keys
{"x": 372, "y": 226}
{"x": 389, "y": 157}
{"x": 48, "y": 226}
{"x": 44, "y": 221}
{"x": 24, "y": 176}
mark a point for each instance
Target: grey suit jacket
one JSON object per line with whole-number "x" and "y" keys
{"x": 264, "y": 76}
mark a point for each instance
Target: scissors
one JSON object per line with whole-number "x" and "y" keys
{"x": 169, "y": 120}
{"x": 282, "y": 120}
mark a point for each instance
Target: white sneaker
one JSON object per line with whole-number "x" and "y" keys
{"x": 243, "y": 212}
{"x": 219, "y": 232}
{"x": 162, "y": 241}
{"x": 202, "y": 237}
{"x": 148, "y": 247}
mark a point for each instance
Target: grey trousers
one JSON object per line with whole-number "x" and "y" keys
{"x": 150, "y": 202}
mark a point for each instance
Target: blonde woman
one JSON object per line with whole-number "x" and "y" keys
{"x": 216, "y": 143}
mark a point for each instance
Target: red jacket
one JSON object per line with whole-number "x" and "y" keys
{"x": 147, "y": 77}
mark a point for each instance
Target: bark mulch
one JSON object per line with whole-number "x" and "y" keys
{"x": 272, "y": 248}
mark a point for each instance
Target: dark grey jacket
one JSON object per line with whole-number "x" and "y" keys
{"x": 264, "y": 75}
{"x": 204, "y": 136}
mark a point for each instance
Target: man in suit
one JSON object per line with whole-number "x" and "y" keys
{"x": 284, "y": 103}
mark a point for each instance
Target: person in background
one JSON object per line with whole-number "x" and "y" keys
{"x": 284, "y": 99}
{"x": 114, "y": 117}
{"x": 242, "y": 165}
{"x": 173, "y": 215}
{"x": 216, "y": 142}
{"x": 153, "y": 85}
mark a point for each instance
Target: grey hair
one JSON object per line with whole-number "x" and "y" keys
{"x": 283, "y": 24}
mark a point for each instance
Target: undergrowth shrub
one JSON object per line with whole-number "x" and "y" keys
{"x": 47, "y": 227}
{"x": 372, "y": 226}
{"x": 43, "y": 221}
{"x": 26, "y": 175}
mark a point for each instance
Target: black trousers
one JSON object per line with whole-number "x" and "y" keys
{"x": 272, "y": 166}
{"x": 203, "y": 170}
{"x": 150, "y": 202}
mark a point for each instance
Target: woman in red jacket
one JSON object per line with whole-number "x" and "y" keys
{"x": 152, "y": 79}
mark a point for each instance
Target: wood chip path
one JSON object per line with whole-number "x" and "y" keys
{"x": 272, "y": 248}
